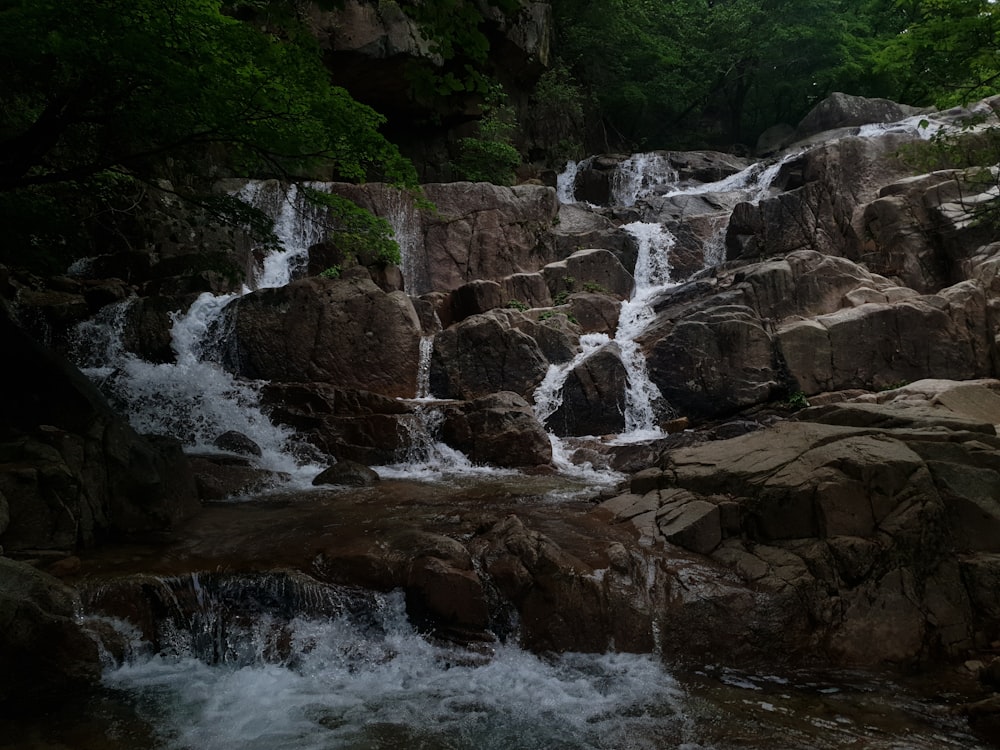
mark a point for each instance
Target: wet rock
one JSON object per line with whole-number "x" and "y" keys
{"x": 557, "y": 338}
{"x": 483, "y": 231}
{"x": 474, "y": 298}
{"x": 446, "y": 597}
{"x": 595, "y": 313}
{"x": 72, "y": 470}
{"x": 714, "y": 362}
{"x": 593, "y": 396}
{"x": 355, "y": 425}
{"x": 348, "y": 473}
{"x": 526, "y": 288}
{"x": 824, "y": 188}
{"x": 43, "y": 650}
{"x": 482, "y": 355}
{"x": 346, "y": 332}
{"x": 237, "y": 442}
{"x": 840, "y": 110}
{"x": 860, "y": 524}
{"x": 222, "y": 477}
{"x": 499, "y": 430}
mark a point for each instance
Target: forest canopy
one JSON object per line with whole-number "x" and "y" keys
{"x": 719, "y": 72}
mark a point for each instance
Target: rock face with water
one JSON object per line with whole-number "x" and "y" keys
{"x": 863, "y": 531}
{"x": 72, "y": 471}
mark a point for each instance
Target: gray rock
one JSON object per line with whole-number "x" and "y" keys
{"x": 348, "y": 473}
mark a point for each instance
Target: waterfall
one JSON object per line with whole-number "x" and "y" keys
{"x": 639, "y": 175}
{"x": 246, "y": 663}
{"x": 193, "y": 398}
{"x": 298, "y": 225}
{"x": 566, "y": 180}
{"x": 401, "y": 213}
{"x": 548, "y": 393}
{"x": 424, "y": 368}
{"x": 652, "y": 274}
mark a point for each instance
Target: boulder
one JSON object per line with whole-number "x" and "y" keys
{"x": 485, "y": 354}
{"x": 557, "y": 337}
{"x": 346, "y": 332}
{"x": 589, "y": 270}
{"x": 527, "y": 288}
{"x": 713, "y": 362}
{"x": 223, "y": 477}
{"x": 853, "y": 519}
{"x": 499, "y": 430}
{"x": 237, "y": 442}
{"x": 840, "y": 110}
{"x": 44, "y": 651}
{"x": 876, "y": 345}
{"x": 593, "y": 396}
{"x": 474, "y": 298}
{"x": 595, "y": 313}
{"x": 353, "y": 425}
{"x": 921, "y": 229}
{"x": 349, "y": 473}
{"x": 484, "y": 231}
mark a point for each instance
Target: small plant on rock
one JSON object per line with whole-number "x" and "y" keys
{"x": 516, "y": 304}
{"x": 797, "y": 400}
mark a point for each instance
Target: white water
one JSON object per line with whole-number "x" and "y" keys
{"x": 639, "y": 175}
{"x": 401, "y": 213}
{"x": 652, "y": 275}
{"x": 566, "y": 181}
{"x": 194, "y": 399}
{"x": 371, "y": 681}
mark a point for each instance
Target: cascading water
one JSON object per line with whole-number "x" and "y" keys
{"x": 640, "y": 175}
{"x": 566, "y": 180}
{"x": 401, "y": 213}
{"x": 652, "y": 274}
{"x": 332, "y": 674}
{"x": 193, "y": 398}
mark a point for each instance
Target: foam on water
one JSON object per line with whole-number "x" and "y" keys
{"x": 361, "y": 682}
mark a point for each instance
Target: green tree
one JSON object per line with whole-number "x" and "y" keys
{"x": 948, "y": 52}
{"x": 168, "y": 88}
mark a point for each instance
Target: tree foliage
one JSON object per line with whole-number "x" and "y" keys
{"x": 711, "y": 72}
{"x": 948, "y": 52}
{"x": 168, "y": 88}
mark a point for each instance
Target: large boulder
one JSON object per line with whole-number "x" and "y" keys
{"x": 860, "y": 515}
{"x": 352, "y": 425}
{"x": 44, "y": 651}
{"x": 879, "y": 344}
{"x": 485, "y": 354}
{"x": 345, "y": 332}
{"x": 593, "y": 396}
{"x": 499, "y": 429}
{"x": 921, "y": 228}
{"x": 840, "y": 110}
{"x": 713, "y": 362}
{"x": 484, "y": 231}
{"x": 593, "y": 269}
